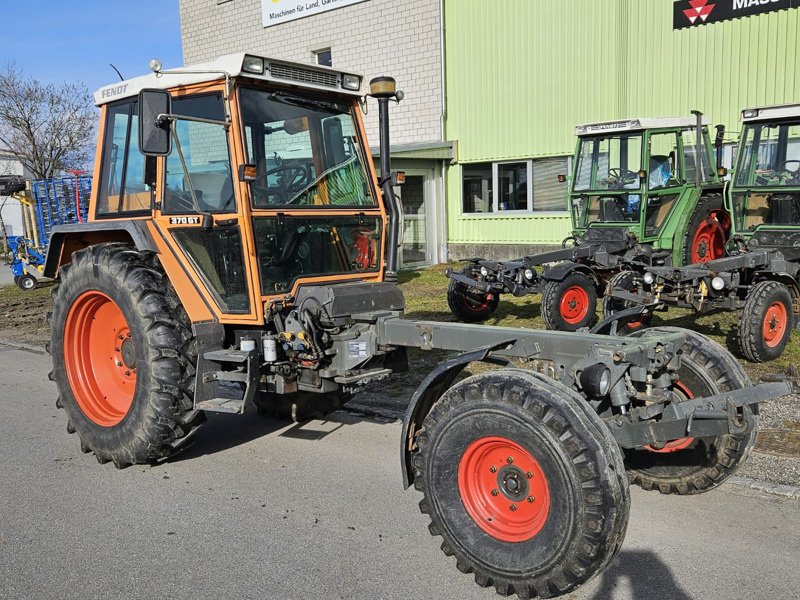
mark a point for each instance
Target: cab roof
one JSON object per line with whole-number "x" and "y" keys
{"x": 771, "y": 113}
{"x": 312, "y": 77}
{"x": 637, "y": 124}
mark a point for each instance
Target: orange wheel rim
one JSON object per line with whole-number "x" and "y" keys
{"x": 680, "y": 443}
{"x": 574, "y": 305}
{"x": 100, "y": 358}
{"x": 710, "y": 238}
{"x": 503, "y": 489}
{"x": 775, "y": 324}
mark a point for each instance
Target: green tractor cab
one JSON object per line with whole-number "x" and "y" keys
{"x": 638, "y": 196}
{"x": 759, "y": 273}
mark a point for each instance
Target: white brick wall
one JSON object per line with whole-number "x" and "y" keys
{"x": 400, "y": 38}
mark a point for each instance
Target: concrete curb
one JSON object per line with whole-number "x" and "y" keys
{"x": 777, "y": 489}
{"x": 22, "y": 346}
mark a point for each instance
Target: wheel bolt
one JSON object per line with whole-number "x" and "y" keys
{"x": 116, "y": 349}
{"x": 120, "y": 336}
{"x": 127, "y": 372}
{"x": 495, "y": 492}
{"x": 513, "y": 507}
{"x": 119, "y": 363}
{"x": 528, "y": 474}
{"x": 510, "y": 459}
{"x": 531, "y": 498}
{"x": 493, "y": 469}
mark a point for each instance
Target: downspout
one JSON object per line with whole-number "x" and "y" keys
{"x": 443, "y": 246}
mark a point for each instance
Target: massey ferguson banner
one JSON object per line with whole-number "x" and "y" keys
{"x": 688, "y": 13}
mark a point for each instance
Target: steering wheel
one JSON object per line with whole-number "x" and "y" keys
{"x": 621, "y": 177}
{"x": 784, "y": 173}
{"x": 291, "y": 179}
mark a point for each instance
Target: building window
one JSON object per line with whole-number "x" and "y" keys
{"x": 520, "y": 186}
{"x": 323, "y": 57}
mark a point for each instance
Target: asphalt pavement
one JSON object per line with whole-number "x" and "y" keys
{"x": 259, "y": 508}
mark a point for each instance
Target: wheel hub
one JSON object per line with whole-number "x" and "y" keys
{"x": 574, "y": 305}
{"x": 511, "y": 481}
{"x": 128, "y": 352}
{"x": 775, "y": 321}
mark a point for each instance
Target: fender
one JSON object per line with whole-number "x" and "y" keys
{"x": 65, "y": 239}
{"x": 429, "y": 391}
{"x": 560, "y": 271}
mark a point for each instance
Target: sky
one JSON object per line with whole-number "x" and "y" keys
{"x": 75, "y": 40}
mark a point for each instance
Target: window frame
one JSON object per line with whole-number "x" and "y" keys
{"x": 107, "y": 148}
{"x": 530, "y": 209}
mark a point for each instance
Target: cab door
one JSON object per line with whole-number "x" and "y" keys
{"x": 200, "y": 215}
{"x": 665, "y": 181}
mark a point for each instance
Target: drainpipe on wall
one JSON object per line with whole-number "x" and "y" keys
{"x": 444, "y": 255}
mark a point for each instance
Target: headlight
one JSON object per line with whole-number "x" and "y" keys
{"x": 649, "y": 278}
{"x": 596, "y": 380}
{"x": 718, "y": 283}
{"x": 253, "y": 64}
{"x": 351, "y": 82}
{"x": 750, "y": 113}
{"x": 484, "y": 272}
{"x": 528, "y": 274}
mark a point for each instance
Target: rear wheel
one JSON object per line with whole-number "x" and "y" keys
{"x": 523, "y": 483}
{"x": 470, "y": 305}
{"x": 766, "y": 322}
{"x": 123, "y": 356}
{"x": 624, "y": 280}
{"x": 26, "y": 282}
{"x": 694, "y": 465}
{"x": 708, "y": 231}
{"x": 569, "y": 304}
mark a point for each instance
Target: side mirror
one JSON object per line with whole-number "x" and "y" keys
{"x": 154, "y": 133}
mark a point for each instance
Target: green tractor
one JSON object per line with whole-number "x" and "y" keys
{"x": 758, "y": 276}
{"x": 637, "y": 197}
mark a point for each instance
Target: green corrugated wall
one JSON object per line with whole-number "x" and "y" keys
{"x": 520, "y": 74}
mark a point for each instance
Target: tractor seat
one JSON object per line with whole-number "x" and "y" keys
{"x": 214, "y": 189}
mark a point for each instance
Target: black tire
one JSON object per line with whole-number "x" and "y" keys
{"x": 708, "y": 207}
{"x": 580, "y": 308}
{"x": 766, "y": 322}
{"x": 625, "y": 280}
{"x": 161, "y": 417}
{"x": 26, "y": 282}
{"x": 581, "y": 465}
{"x": 706, "y": 369}
{"x": 470, "y": 305}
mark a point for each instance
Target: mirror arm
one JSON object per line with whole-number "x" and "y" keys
{"x": 163, "y": 118}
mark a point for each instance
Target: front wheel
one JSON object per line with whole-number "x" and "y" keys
{"x": 766, "y": 322}
{"x": 26, "y": 282}
{"x": 693, "y": 465}
{"x": 470, "y": 305}
{"x": 569, "y": 304}
{"x": 123, "y": 356}
{"x": 523, "y": 483}
{"x": 708, "y": 231}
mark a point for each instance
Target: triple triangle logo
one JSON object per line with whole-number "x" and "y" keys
{"x": 701, "y": 9}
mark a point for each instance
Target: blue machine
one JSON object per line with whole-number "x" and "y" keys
{"x": 57, "y": 202}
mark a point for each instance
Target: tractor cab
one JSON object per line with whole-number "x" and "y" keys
{"x": 249, "y": 176}
{"x": 630, "y": 175}
{"x": 764, "y": 194}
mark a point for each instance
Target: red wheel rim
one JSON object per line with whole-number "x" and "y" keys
{"x": 100, "y": 358}
{"x": 503, "y": 489}
{"x": 680, "y": 443}
{"x": 574, "y": 305}
{"x": 711, "y": 236}
{"x": 775, "y": 324}
{"x": 476, "y": 301}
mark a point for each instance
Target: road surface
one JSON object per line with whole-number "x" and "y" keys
{"x": 259, "y": 508}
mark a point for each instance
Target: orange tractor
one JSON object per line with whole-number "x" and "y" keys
{"x": 241, "y": 250}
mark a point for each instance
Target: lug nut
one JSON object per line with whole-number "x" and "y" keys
{"x": 119, "y": 363}
{"x": 493, "y": 469}
{"x": 127, "y": 372}
{"x": 513, "y": 507}
{"x": 495, "y": 492}
{"x": 116, "y": 349}
{"x": 531, "y": 498}
{"x": 529, "y": 475}
{"x": 510, "y": 459}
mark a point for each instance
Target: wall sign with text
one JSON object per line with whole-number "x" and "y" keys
{"x": 689, "y": 13}
{"x": 274, "y": 12}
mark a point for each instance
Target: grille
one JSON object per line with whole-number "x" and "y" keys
{"x": 304, "y": 75}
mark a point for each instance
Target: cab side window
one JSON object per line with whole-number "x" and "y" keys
{"x": 663, "y": 172}
{"x": 199, "y": 167}
{"x": 122, "y": 190}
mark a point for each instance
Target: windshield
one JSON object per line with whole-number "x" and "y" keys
{"x": 595, "y": 208}
{"x": 305, "y": 150}
{"x": 609, "y": 162}
{"x": 770, "y": 156}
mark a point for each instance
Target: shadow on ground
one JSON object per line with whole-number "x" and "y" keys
{"x": 647, "y": 576}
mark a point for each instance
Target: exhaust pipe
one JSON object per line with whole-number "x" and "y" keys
{"x": 384, "y": 89}
{"x": 698, "y": 156}
{"x": 718, "y": 139}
